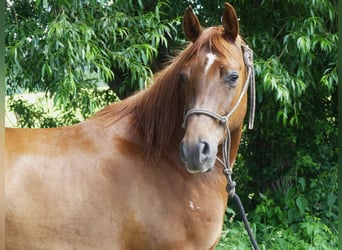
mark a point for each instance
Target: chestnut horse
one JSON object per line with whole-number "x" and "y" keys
{"x": 131, "y": 177}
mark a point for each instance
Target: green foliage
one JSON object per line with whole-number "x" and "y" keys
{"x": 292, "y": 154}
{"x": 64, "y": 46}
{"x": 41, "y": 113}
{"x": 234, "y": 237}
{"x": 296, "y": 54}
{"x": 274, "y": 232}
{"x": 36, "y": 116}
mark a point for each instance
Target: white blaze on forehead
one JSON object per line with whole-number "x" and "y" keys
{"x": 210, "y": 60}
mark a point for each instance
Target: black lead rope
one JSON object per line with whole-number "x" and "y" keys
{"x": 245, "y": 221}
{"x": 232, "y": 194}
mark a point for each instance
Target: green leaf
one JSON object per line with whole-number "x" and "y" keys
{"x": 302, "y": 183}
{"x": 332, "y": 198}
{"x": 302, "y": 204}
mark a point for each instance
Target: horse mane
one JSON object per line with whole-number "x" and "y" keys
{"x": 158, "y": 111}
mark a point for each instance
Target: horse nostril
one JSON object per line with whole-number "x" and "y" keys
{"x": 205, "y": 151}
{"x": 206, "y": 148}
{"x": 197, "y": 153}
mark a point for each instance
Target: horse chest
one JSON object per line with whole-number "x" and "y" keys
{"x": 173, "y": 213}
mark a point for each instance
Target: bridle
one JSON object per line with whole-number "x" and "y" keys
{"x": 224, "y": 121}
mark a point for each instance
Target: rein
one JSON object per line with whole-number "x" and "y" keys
{"x": 224, "y": 121}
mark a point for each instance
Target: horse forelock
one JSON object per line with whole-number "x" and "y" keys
{"x": 215, "y": 40}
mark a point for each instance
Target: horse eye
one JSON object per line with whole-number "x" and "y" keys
{"x": 231, "y": 78}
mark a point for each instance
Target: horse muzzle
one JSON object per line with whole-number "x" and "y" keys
{"x": 198, "y": 156}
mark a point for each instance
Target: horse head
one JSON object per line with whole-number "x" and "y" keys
{"x": 214, "y": 78}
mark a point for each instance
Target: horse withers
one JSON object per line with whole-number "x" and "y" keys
{"x": 131, "y": 177}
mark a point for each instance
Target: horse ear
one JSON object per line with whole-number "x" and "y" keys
{"x": 230, "y": 22}
{"x": 191, "y": 25}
